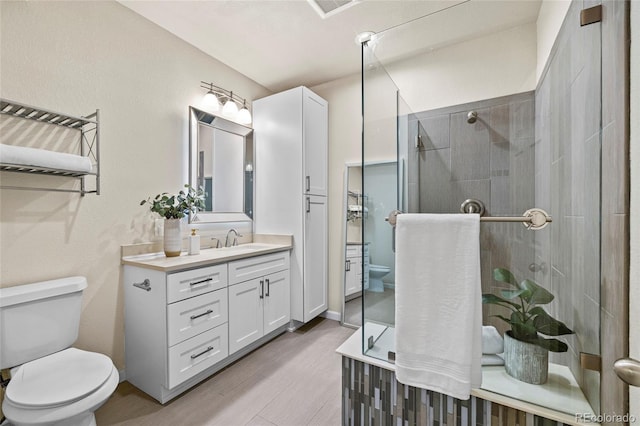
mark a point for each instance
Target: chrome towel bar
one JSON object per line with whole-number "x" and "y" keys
{"x": 534, "y": 219}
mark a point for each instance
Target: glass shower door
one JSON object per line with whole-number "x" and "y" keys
{"x": 381, "y": 179}
{"x": 536, "y": 149}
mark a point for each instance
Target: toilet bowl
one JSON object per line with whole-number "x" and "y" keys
{"x": 51, "y": 383}
{"x": 376, "y": 273}
{"x": 64, "y": 388}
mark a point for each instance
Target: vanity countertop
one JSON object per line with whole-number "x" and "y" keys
{"x": 209, "y": 256}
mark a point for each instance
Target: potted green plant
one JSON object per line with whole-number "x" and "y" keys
{"x": 173, "y": 207}
{"x": 526, "y": 352}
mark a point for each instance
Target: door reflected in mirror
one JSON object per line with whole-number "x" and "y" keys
{"x": 221, "y": 163}
{"x": 369, "y": 278}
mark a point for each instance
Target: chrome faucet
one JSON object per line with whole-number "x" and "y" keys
{"x": 218, "y": 244}
{"x": 235, "y": 238}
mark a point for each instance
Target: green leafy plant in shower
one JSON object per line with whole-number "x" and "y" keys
{"x": 176, "y": 206}
{"x": 528, "y": 320}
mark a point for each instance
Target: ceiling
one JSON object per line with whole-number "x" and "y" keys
{"x": 286, "y": 43}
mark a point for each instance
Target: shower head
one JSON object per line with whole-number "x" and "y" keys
{"x": 472, "y": 116}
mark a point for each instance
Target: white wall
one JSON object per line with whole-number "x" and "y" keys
{"x": 75, "y": 57}
{"x": 550, "y": 18}
{"x": 486, "y": 67}
{"x": 345, "y": 135}
{"x": 634, "y": 280}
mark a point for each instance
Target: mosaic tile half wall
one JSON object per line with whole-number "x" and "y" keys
{"x": 372, "y": 396}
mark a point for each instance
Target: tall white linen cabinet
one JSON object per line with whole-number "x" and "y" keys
{"x": 291, "y": 154}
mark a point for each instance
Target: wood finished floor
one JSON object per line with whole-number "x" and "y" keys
{"x": 293, "y": 380}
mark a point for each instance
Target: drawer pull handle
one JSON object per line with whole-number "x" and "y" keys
{"x": 201, "y": 281}
{"x": 145, "y": 285}
{"x": 209, "y": 349}
{"x": 268, "y": 286}
{"x": 202, "y": 314}
{"x": 261, "y": 289}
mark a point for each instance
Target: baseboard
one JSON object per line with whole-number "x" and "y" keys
{"x": 332, "y": 315}
{"x": 123, "y": 375}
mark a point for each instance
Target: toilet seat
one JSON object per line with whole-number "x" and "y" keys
{"x": 58, "y": 379}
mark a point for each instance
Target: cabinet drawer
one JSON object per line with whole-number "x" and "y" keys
{"x": 254, "y": 267}
{"x": 195, "y": 355}
{"x": 192, "y": 316}
{"x": 353, "y": 251}
{"x": 182, "y": 285}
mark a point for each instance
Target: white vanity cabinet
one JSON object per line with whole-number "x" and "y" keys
{"x": 353, "y": 270}
{"x": 354, "y": 279}
{"x": 182, "y": 325}
{"x": 259, "y": 300}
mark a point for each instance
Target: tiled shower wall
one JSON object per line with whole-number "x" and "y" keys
{"x": 492, "y": 160}
{"x": 568, "y": 110}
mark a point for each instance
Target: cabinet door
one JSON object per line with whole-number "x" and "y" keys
{"x": 316, "y": 141}
{"x": 245, "y": 313}
{"x": 315, "y": 257}
{"x": 277, "y": 304}
{"x": 351, "y": 276}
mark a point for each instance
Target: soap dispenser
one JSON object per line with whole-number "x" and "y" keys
{"x": 194, "y": 242}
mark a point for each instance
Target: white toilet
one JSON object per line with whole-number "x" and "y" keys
{"x": 51, "y": 382}
{"x": 376, "y": 273}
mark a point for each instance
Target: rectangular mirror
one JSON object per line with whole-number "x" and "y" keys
{"x": 221, "y": 163}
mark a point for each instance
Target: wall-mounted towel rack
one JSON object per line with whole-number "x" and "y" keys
{"x": 89, "y": 144}
{"x": 534, "y": 219}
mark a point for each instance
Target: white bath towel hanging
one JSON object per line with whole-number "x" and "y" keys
{"x": 25, "y": 156}
{"x": 438, "y": 334}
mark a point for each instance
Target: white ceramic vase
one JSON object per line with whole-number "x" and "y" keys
{"x": 525, "y": 361}
{"x": 172, "y": 237}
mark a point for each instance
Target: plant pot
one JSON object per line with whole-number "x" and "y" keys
{"x": 525, "y": 361}
{"x": 172, "y": 237}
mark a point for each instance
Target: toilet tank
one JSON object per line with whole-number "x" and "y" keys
{"x": 39, "y": 319}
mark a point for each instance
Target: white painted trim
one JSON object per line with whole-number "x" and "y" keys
{"x": 332, "y": 315}
{"x": 123, "y": 375}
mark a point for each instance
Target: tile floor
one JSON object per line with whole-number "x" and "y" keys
{"x": 293, "y": 380}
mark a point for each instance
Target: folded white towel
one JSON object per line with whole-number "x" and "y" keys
{"x": 438, "y": 318}
{"x": 492, "y": 359}
{"x": 492, "y": 341}
{"x": 24, "y": 156}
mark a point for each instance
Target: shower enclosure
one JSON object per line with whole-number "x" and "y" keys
{"x": 457, "y": 131}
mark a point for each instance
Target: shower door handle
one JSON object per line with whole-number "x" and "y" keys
{"x": 628, "y": 369}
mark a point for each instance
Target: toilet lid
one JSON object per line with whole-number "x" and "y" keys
{"x": 58, "y": 379}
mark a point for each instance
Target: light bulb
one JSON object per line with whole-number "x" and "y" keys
{"x": 230, "y": 108}
{"x": 244, "y": 116}
{"x": 211, "y": 101}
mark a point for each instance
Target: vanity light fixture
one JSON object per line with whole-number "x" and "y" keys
{"x": 230, "y": 109}
{"x": 212, "y": 102}
{"x": 244, "y": 116}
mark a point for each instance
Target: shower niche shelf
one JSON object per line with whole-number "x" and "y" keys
{"x": 29, "y": 160}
